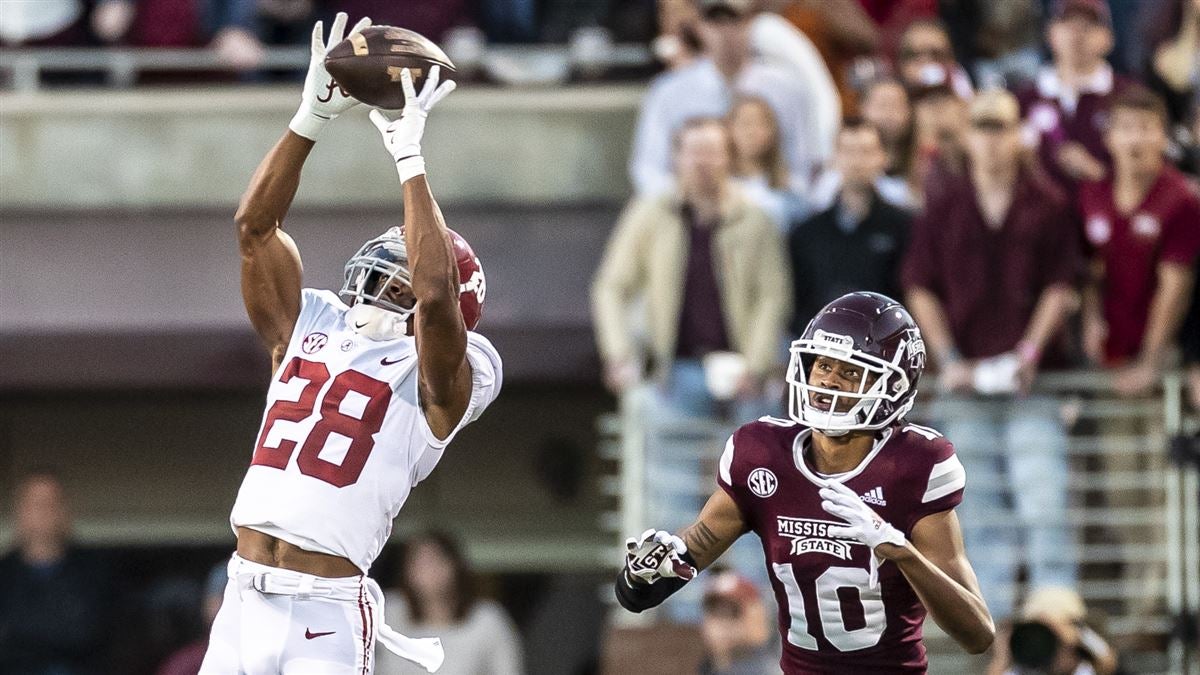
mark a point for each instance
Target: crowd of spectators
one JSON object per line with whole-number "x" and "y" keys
{"x": 1016, "y": 172}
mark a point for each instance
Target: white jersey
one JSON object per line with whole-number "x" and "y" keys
{"x": 344, "y": 440}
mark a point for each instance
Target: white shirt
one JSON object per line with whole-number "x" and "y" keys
{"x": 485, "y": 642}
{"x": 699, "y": 90}
{"x": 344, "y": 439}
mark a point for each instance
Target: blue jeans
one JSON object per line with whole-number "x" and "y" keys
{"x": 681, "y": 470}
{"x": 1014, "y": 451}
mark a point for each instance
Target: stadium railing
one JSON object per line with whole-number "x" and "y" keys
{"x": 1139, "y": 561}
{"x": 21, "y": 69}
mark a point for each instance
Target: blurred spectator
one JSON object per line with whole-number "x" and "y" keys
{"x": 706, "y": 87}
{"x": 925, "y": 48}
{"x": 1143, "y": 224}
{"x": 841, "y": 31}
{"x": 998, "y": 42}
{"x": 285, "y": 22}
{"x": 436, "y": 596}
{"x": 779, "y": 43}
{"x": 736, "y": 629}
{"x": 884, "y": 106}
{"x": 187, "y": 659}
{"x": 1052, "y": 637}
{"x": 857, "y": 243}
{"x": 54, "y": 598}
{"x": 990, "y": 275}
{"x": 939, "y": 129}
{"x": 42, "y": 23}
{"x": 1065, "y": 109}
{"x": 758, "y": 165}
{"x": 227, "y": 26}
{"x": 506, "y": 20}
{"x": 710, "y": 265}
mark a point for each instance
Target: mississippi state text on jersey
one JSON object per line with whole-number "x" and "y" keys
{"x": 830, "y": 620}
{"x": 344, "y": 440}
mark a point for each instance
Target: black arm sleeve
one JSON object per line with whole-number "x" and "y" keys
{"x": 638, "y": 597}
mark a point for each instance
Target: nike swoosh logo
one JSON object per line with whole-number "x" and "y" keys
{"x": 308, "y": 635}
{"x": 385, "y": 362}
{"x": 359, "y": 325}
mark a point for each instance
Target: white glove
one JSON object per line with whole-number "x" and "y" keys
{"x": 323, "y": 99}
{"x": 656, "y": 555}
{"x": 402, "y": 137}
{"x": 864, "y": 524}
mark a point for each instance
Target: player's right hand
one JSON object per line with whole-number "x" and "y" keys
{"x": 657, "y": 554}
{"x": 323, "y": 99}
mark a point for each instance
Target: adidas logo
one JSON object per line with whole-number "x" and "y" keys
{"x": 874, "y": 496}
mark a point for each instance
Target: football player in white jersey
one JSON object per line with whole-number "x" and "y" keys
{"x": 364, "y": 399}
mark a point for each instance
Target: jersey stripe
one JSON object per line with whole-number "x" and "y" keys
{"x": 947, "y": 476}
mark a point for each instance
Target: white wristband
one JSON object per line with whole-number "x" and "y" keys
{"x": 410, "y": 167}
{"x": 308, "y": 124}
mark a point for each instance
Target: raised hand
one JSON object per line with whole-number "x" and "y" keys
{"x": 322, "y": 99}
{"x": 402, "y": 137}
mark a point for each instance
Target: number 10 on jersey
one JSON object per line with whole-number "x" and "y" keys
{"x": 830, "y": 603}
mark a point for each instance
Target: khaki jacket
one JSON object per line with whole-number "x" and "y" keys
{"x": 646, "y": 257}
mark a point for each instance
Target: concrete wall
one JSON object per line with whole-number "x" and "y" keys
{"x": 166, "y": 147}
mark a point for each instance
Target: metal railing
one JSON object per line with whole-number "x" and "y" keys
{"x": 22, "y": 69}
{"x": 1159, "y": 504}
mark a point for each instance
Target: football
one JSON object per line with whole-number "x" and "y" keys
{"x": 367, "y": 65}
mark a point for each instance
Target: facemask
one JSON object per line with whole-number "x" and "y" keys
{"x": 376, "y": 324}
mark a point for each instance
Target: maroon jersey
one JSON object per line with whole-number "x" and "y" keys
{"x": 830, "y": 620}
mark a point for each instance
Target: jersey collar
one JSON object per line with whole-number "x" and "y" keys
{"x": 801, "y": 441}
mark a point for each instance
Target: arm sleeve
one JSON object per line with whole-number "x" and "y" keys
{"x": 1181, "y": 233}
{"x": 619, "y": 277}
{"x": 487, "y": 377}
{"x": 918, "y": 269}
{"x": 942, "y": 486}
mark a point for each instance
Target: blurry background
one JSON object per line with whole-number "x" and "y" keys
{"x": 131, "y": 384}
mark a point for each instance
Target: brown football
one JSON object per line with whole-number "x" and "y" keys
{"x": 367, "y": 65}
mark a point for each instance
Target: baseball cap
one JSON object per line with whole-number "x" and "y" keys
{"x": 732, "y": 588}
{"x": 996, "y": 107}
{"x": 711, "y": 8}
{"x": 1059, "y": 602}
{"x": 1095, "y": 10}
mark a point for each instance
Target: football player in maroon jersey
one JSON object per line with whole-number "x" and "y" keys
{"x": 853, "y": 505}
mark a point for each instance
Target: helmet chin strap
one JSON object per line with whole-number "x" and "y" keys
{"x": 377, "y": 324}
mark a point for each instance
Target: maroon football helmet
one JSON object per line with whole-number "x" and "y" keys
{"x": 874, "y": 333}
{"x": 385, "y": 258}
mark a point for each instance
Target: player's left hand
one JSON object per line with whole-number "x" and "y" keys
{"x": 863, "y": 525}
{"x": 402, "y": 137}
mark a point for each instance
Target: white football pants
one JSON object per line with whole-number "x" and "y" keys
{"x": 279, "y": 622}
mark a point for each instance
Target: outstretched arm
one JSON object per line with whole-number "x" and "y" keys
{"x": 444, "y": 374}
{"x": 271, "y": 270}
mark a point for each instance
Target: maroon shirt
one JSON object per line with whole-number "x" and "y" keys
{"x": 990, "y": 279}
{"x": 701, "y": 321}
{"x": 831, "y": 621}
{"x": 1045, "y": 111}
{"x": 1164, "y": 228}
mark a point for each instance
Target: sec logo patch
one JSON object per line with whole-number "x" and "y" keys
{"x": 313, "y": 342}
{"x": 762, "y": 482}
